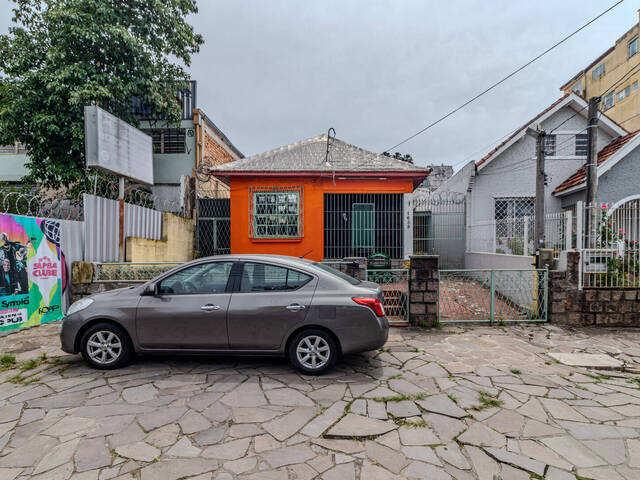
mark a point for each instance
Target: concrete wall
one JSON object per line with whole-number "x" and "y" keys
{"x": 496, "y": 260}
{"x": 176, "y": 244}
{"x": 512, "y": 174}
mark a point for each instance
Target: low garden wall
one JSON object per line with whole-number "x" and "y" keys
{"x": 569, "y": 305}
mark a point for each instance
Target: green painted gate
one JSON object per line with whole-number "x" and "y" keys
{"x": 493, "y": 295}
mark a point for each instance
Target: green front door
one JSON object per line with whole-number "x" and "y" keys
{"x": 362, "y": 228}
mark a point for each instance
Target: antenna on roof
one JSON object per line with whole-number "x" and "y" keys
{"x": 330, "y": 140}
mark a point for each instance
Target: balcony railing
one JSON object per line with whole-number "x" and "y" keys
{"x": 186, "y": 98}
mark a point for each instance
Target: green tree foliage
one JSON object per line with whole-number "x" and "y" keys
{"x": 61, "y": 55}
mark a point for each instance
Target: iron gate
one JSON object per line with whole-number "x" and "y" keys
{"x": 213, "y": 226}
{"x": 395, "y": 288}
{"x": 497, "y": 295}
{"x": 439, "y": 227}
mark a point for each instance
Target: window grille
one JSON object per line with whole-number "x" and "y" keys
{"x": 508, "y": 210}
{"x": 550, "y": 145}
{"x": 168, "y": 140}
{"x": 276, "y": 212}
{"x": 582, "y": 145}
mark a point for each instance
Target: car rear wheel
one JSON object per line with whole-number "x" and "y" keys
{"x": 313, "y": 351}
{"x": 106, "y": 346}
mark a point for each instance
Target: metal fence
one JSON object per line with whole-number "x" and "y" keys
{"x": 439, "y": 227}
{"x": 105, "y": 272}
{"x": 515, "y": 235}
{"x": 499, "y": 295}
{"x": 395, "y": 288}
{"x": 610, "y": 249}
{"x": 359, "y": 224}
{"x": 213, "y": 226}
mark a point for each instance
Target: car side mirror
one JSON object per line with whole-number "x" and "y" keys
{"x": 151, "y": 290}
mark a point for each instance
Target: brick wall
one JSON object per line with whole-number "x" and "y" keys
{"x": 589, "y": 307}
{"x": 214, "y": 154}
{"x": 423, "y": 290}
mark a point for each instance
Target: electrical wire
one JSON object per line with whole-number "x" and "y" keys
{"x": 504, "y": 79}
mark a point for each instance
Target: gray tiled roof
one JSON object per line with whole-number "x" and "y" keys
{"x": 309, "y": 155}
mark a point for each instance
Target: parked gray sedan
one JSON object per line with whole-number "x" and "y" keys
{"x": 240, "y": 304}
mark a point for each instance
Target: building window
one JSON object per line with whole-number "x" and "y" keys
{"x": 509, "y": 214}
{"x": 632, "y": 47}
{"x": 582, "y": 145}
{"x": 598, "y": 71}
{"x": 634, "y": 87}
{"x": 622, "y": 94}
{"x": 609, "y": 100}
{"x": 577, "y": 88}
{"x": 15, "y": 149}
{"x": 168, "y": 140}
{"x": 276, "y": 212}
{"x": 550, "y": 145}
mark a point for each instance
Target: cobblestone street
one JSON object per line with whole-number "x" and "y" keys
{"x": 467, "y": 403}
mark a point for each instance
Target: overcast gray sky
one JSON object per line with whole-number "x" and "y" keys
{"x": 274, "y": 72}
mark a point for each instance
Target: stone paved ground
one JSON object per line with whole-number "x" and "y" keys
{"x": 481, "y": 403}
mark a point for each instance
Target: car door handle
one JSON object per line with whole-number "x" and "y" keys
{"x": 295, "y": 307}
{"x": 210, "y": 308}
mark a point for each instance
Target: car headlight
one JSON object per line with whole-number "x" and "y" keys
{"x": 79, "y": 305}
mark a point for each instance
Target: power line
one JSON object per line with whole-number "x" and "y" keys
{"x": 504, "y": 79}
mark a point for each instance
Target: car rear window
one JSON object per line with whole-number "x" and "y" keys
{"x": 337, "y": 273}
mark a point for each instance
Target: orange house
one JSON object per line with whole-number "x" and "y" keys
{"x": 322, "y": 198}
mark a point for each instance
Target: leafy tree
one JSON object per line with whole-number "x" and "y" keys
{"x": 61, "y": 55}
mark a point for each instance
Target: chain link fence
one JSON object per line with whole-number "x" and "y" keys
{"x": 213, "y": 226}
{"x": 395, "y": 288}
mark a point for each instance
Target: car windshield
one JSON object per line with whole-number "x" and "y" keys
{"x": 337, "y": 273}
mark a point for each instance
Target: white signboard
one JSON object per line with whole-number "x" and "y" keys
{"x": 117, "y": 147}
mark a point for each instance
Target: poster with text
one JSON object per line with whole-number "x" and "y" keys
{"x": 30, "y": 271}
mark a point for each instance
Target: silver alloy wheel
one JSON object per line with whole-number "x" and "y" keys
{"x": 104, "y": 347}
{"x": 313, "y": 352}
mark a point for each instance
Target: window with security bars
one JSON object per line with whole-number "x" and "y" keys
{"x": 509, "y": 214}
{"x": 168, "y": 140}
{"x": 582, "y": 145}
{"x": 550, "y": 145}
{"x": 275, "y": 212}
{"x": 14, "y": 149}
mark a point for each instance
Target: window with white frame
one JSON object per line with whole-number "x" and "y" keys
{"x": 622, "y": 94}
{"x": 634, "y": 87}
{"x": 582, "y": 144}
{"x": 598, "y": 71}
{"x": 632, "y": 47}
{"x": 577, "y": 88}
{"x": 609, "y": 100}
{"x": 550, "y": 145}
{"x": 509, "y": 215}
{"x": 275, "y": 212}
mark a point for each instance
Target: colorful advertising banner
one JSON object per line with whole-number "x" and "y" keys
{"x": 30, "y": 271}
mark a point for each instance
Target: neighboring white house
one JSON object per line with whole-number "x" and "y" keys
{"x": 501, "y": 186}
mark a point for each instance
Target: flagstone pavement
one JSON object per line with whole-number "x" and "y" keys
{"x": 484, "y": 403}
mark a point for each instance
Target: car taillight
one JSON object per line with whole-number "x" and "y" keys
{"x": 373, "y": 303}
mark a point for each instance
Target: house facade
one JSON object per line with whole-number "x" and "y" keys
{"x": 321, "y": 198}
{"x": 614, "y": 76}
{"x": 501, "y": 186}
{"x": 618, "y": 174}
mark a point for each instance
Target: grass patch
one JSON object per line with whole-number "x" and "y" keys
{"x": 598, "y": 376}
{"x": 19, "y": 379}
{"x": 403, "y": 422}
{"x": 396, "y": 377}
{"x": 487, "y": 401}
{"x": 515, "y": 371}
{"x": 452, "y": 397}
{"x": 7, "y": 360}
{"x": 383, "y": 350}
{"x": 29, "y": 364}
{"x": 634, "y": 380}
{"x": 401, "y": 397}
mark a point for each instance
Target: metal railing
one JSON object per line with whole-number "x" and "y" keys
{"x": 493, "y": 295}
{"x": 133, "y": 272}
{"x": 395, "y": 289}
{"x": 515, "y": 235}
{"x": 610, "y": 249}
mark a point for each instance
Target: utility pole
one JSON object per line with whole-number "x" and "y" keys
{"x": 539, "y": 227}
{"x": 592, "y": 168}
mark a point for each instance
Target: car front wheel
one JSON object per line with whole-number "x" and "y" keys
{"x": 106, "y": 346}
{"x": 313, "y": 351}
